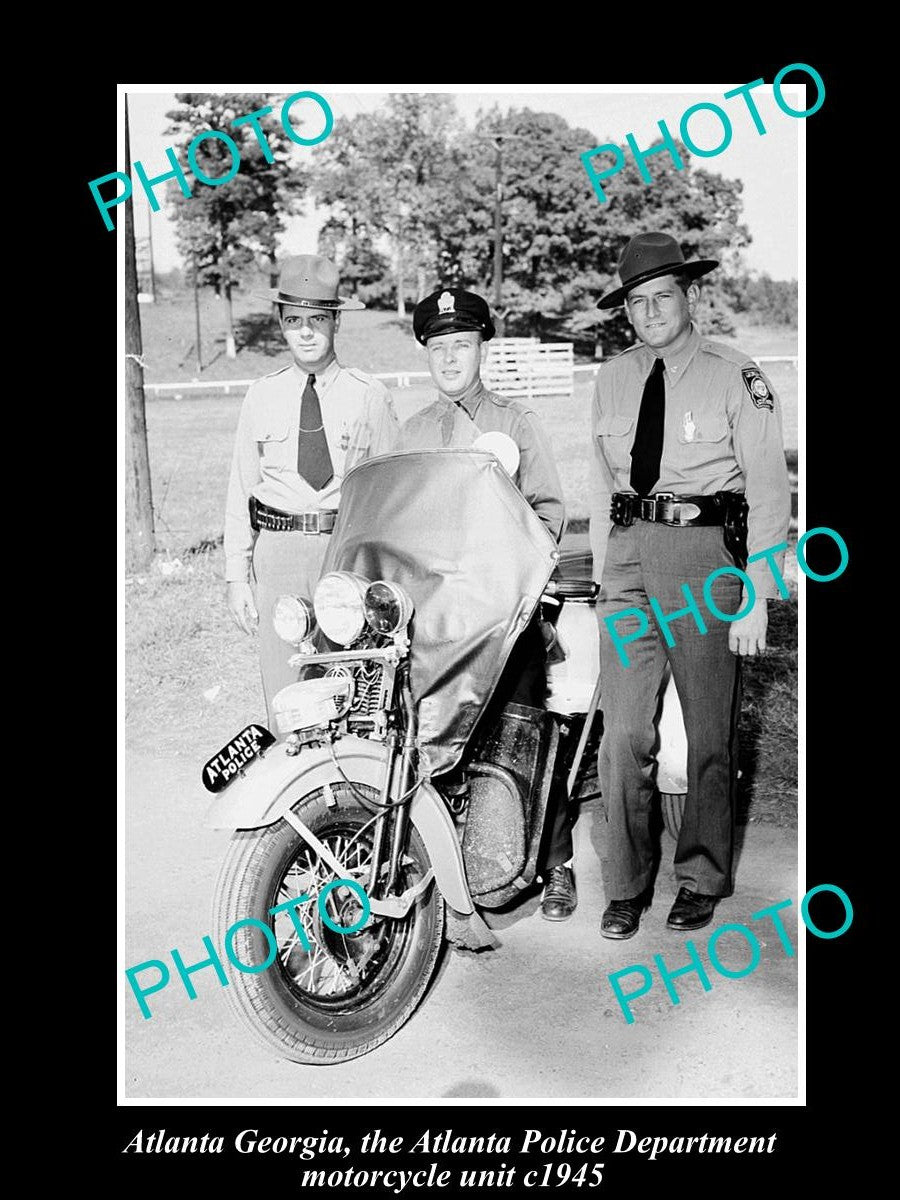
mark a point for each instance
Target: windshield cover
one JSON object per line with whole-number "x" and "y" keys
{"x": 451, "y": 528}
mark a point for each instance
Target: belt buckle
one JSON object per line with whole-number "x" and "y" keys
{"x": 664, "y": 498}
{"x": 647, "y": 508}
{"x": 310, "y": 523}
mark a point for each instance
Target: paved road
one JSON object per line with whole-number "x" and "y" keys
{"x": 535, "y": 1018}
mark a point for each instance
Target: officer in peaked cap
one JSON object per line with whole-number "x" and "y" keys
{"x": 454, "y": 326}
{"x": 300, "y": 430}
{"x": 450, "y": 309}
{"x": 689, "y": 478}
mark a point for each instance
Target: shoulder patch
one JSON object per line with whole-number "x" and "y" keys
{"x": 757, "y": 388}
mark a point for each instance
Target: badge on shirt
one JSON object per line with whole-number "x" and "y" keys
{"x": 688, "y": 428}
{"x": 759, "y": 390}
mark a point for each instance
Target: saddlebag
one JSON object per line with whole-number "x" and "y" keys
{"x": 509, "y": 785}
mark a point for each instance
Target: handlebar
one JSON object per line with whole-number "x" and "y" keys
{"x": 573, "y": 589}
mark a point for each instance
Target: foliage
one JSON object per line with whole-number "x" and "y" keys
{"x": 232, "y": 226}
{"x": 384, "y": 177}
{"x": 560, "y": 245}
{"x": 764, "y": 300}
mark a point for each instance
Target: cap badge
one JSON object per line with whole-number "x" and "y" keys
{"x": 446, "y": 303}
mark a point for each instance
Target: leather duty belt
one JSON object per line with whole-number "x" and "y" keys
{"x": 666, "y": 508}
{"x": 273, "y": 520}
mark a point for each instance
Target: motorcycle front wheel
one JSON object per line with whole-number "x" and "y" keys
{"x": 327, "y": 996}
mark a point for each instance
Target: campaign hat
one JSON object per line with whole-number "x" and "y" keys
{"x": 309, "y": 281}
{"x": 449, "y": 310}
{"x": 646, "y": 257}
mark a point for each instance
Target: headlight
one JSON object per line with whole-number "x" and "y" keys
{"x": 339, "y": 607}
{"x": 388, "y": 608}
{"x": 292, "y": 619}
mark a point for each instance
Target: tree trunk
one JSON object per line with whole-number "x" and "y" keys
{"x": 230, "y": 350}
{"x": 273, "y": 270}
{"x": 140, "y": 544}
{"x": 420, "y": 284}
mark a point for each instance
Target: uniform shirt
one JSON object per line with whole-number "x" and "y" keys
{"x": 359, "y": 420}
{"x": 449, "y": 422}
{"x": 718, "y": 436}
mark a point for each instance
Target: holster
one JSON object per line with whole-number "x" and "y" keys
{"x": 735, "y": 509}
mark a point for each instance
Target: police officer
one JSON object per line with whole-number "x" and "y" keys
{"x": 300, "y": 430}
{"x": 688, "y": 462}
{"x": 455, "y": 325}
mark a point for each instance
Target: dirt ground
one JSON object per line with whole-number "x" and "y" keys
{"x": 536, "y": 1017}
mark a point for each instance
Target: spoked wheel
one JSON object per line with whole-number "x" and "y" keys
{"x": 672, "y": 804}
{"x": 328, "y": 994}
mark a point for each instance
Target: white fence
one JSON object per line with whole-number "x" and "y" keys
{"x": 549, "y": 371}
{"x": 528, "y": 367}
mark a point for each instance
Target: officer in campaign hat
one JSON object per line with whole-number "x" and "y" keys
{"x": 455, "y": 325}
{"x": 301, "y": 428}
{"x": 689, "y": 477}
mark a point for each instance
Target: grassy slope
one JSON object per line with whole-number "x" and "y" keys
{"x": 373, "y": 340}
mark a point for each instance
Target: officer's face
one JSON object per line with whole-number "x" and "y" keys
{"x": 661, "y": 313}
{"x": 454, "y": 360}
{"x": 309, "y": 333}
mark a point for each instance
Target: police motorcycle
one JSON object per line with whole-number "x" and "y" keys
{"x": 399, "y": 804}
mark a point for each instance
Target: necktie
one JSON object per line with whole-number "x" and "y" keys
{"x": 646, "y": 453}
{"x": 313, "y": 458}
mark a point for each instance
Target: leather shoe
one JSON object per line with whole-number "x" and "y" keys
{"x": 560, "y": 898}
{"x": 622, "y": 918}
{"x": 691, "y": 910}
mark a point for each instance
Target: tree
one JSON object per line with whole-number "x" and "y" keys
{"x": 384, "y": 176}
{"x": 764, "y": 301}
{"x": 560, "y": 245}
{"x": 365, "y": 271}
{"x": 232, "y": 225}
{"x": 413, "y": 177}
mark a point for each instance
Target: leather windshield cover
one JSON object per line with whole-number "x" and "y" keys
{"x": 451, "y": 528}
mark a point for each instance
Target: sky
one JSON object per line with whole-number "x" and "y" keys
{"x": 768, "y": 165}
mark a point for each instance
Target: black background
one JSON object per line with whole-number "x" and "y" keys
{"x": 848, "y": 784}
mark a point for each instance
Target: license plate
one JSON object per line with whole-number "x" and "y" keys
{"x": 223, "y": 767}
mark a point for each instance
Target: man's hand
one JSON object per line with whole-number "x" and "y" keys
{"x": 239, "y": 598}
{"x": 748, "y": 634}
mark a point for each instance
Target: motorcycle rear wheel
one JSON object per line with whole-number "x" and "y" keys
{"x": 672, "y": 811}
{"x": 349, "y": 992}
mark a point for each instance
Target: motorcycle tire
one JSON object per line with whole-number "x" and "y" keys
{"x": 672, "y": 804}
{"x": 347, "y": 993}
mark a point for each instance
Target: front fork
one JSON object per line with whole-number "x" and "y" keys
{"x": 407, "y": 769}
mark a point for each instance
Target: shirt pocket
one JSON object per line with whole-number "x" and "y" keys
{"x": 702, "y": 428}
{"x": 615, "y": 433}
{"x": 277, "y": 451}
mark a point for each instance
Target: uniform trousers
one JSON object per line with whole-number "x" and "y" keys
{"x": 287, "y": 561}
{"x": 654, "y": 560}
{"x": 524, "y": 681}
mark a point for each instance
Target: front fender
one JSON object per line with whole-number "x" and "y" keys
{"x": 272, "y": 784}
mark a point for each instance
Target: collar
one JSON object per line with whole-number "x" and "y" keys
{"x": 323, "y": 378}
{"x": 470, "y": 400}
{"x": 678, "y": 362}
